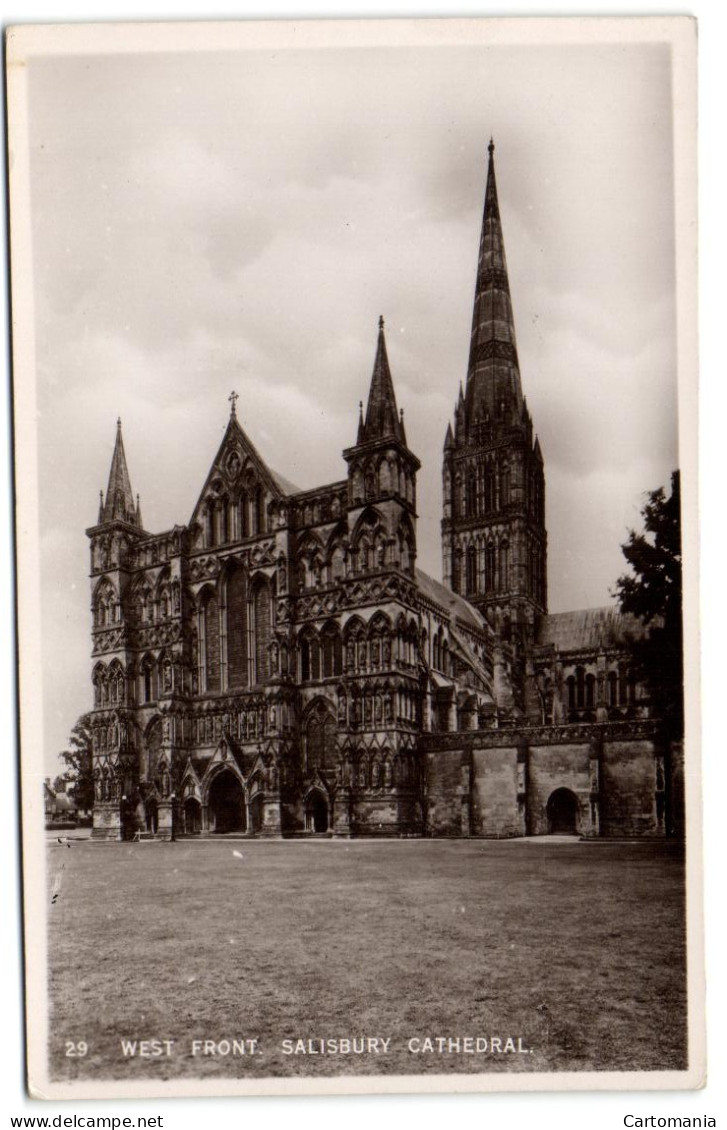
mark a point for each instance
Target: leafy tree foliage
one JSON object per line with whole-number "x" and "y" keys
{"x": 78, "y": 759}
{"x": 653, "y": 592}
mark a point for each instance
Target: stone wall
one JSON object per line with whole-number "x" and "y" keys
{"x": 554, "y": 767}
{"x": 495, "y": 810}
{"x": 377, "y": 817}
{"x": 628, "y": 788}
{"x": 443, "y": 807}
{"x": 106, "y": 822}
{"x": 604, "y": 780}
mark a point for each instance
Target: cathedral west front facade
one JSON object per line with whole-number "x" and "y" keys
{"x": 280, "y": 666}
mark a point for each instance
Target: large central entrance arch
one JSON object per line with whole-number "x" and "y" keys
{"x": 226, "y": 804}
{"x": 562, "y": 812}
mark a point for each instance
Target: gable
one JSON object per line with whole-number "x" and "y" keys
{"x": 237, "y": 471}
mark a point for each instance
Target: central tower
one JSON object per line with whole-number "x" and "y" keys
{"x": 493, "y": 529}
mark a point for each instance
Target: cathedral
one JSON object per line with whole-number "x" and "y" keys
{"x": 280, "y": 666}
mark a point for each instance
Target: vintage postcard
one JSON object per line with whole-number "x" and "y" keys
{"x": 354, "y": 406}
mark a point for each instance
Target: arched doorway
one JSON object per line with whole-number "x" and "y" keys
{"x": 130, "y": 822}
{"x": 316, "y": 812}
{"x": 151, "y": 812}
{"x": 192, "y": 816}
{"x": 562, "y": 812}
{"x": 256, "y": 812}
{"x": 226, "y": 804}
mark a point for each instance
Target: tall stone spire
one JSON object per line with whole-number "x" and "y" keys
{"x": 382, "y": 417}
{"x": 494, "y": 541}
{"x": 493, "y": 376}
{"x": 119, "y": 504}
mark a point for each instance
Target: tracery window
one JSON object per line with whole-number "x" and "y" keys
{"x": 332, "y": 652}
{"x": 263, "y": 631}
{"x": 236, "y": 602}
{"x": 471, "y": 570}
{"x": 310, "y": 659}
{"x": 504, "y": 566}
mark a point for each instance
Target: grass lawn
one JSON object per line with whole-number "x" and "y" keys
{"x": 576, "y": 948}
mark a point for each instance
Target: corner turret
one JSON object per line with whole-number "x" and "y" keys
{"x": 119, "y": 505}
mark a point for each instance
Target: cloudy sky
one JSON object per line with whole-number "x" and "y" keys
{"x": 209, "y": 221}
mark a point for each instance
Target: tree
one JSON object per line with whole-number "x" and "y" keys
{"x": 78, "y": 759}
{"x": 653, "y": 592}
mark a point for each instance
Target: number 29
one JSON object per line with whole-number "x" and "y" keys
{"x": 76, "y": 1048}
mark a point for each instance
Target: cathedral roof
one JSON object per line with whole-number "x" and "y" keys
{"x": 456, "y": 605}
{"x": 284, "y": 484}
{"x": 589, "y": 628}
{"x": 382, "y": 417}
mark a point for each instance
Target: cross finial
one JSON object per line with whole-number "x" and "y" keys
{"x": 381, "y": 321}
{"x": 233, "y": 399}
{"x": 491, "y": 147}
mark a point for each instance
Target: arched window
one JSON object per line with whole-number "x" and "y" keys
{"x": 337, "y": 564}
{"x": 211, "y": 628}
{"x": 305, "y": 660}
{"x": 612, "y": 688}
{"x": 236, "y": 629}
{"x": 471, "y": 570}
{"x": 263, "y": 632}
{"x": 489, "y": 489}
{"x": 490, "y": 567}
{"x": 99, "y": 679}
{"x": 209, "y": 524}
{"x": 321, "y": 741}
{"x": 222, "y": 521}
{"x": 259, "y": 511}
{"x": 332, "y": 653}
{"x": 310, "y": 659}
{"x": 148, "y": 680}
{"x": 571, "y": 685}
{"x": 580, "y": 687}
{"x": 504, "y": 566}
{"x": 631, "y": 688}
{"x": 590, "y": 691}
{"x": 105, "y": 605}
{"x": 471, "y": 495}
{"x": 505, "y": 485}
{"x": 457, "y": 570}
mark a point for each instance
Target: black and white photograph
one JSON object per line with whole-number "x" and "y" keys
{"x": 355, "y": 435}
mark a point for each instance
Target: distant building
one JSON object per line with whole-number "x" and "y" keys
{"x": 58, "y": 808}
{"x": 280, "y": 665}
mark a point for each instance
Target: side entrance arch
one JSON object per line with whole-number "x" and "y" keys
{"x": 151, "y": 813}
{"x": 317, "y": 812}
{"x": 226, "y": 804}
{"x": 562, "y": 813}
{"x": 192, "y": 816}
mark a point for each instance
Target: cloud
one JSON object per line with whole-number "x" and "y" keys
{"x": 206, "y": 222}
